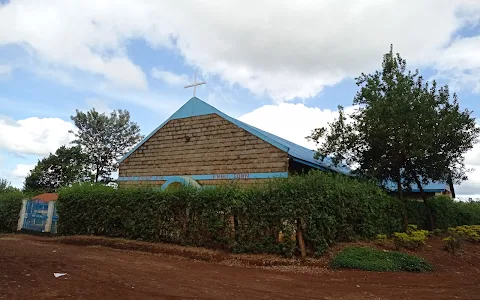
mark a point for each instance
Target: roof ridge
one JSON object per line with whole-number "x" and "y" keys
{"x": 197, "y": 107}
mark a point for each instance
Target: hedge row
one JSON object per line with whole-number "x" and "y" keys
{"x": 327, "y": 207}
{"x": 446, "y": 212}
{"x": 10, "y": 206}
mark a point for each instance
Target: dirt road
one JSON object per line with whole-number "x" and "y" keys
{"x": 27, "y": 265}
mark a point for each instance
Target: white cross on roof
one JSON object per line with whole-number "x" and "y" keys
{"x": 195, "y": 83}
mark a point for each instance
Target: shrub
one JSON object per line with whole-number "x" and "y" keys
{"x": 410, "y": 239}
{"x": 470, "y": 233}
{"x": 369, "y": 259}
{"x": 467, "y": 213}
{"x": 381, "y": 240}
{"x": 412, "y": 227}
{"x": 328, "y": 207}
{"x": 453, "y": 243}
{"x": 10, "y": 206}
{"x": 417, "y": 213}
{"x": 446, "y": 212}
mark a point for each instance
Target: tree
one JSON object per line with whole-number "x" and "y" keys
{"x": 4, "y": 184}
{"x": 403, "y": 131}
{"x": 66, "y": 166}
{"x": 105, "y": 139}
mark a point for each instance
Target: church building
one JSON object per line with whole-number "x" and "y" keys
{"x": 201, "y": 146}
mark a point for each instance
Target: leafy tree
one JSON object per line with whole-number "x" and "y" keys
{"x": 105, "y": 139}
{"x": 404, "y": 130}
{"x": 66, "y": 166}
{"x": 5, "y": 186}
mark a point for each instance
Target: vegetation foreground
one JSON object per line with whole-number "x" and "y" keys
{"x": 136, "y": 275}
{"x": 366, "y": 256}
{"x": 369, "y": 259}
{"x": 299, "y": 215}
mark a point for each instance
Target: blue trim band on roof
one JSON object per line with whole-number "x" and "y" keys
{"x": 428, "y": 191}
{"x": 208, "y": 176}
{"x": 416, "y": 190}
{"x": 309, "y": 164}
{"x": 430, "y": 187}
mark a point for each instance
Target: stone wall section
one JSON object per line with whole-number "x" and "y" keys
{"x": 205, "y": 144}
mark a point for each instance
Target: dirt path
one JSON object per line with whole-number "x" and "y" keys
{"x": 27, "y": 265}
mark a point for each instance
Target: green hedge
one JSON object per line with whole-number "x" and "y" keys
{"x": 329, "y": 207}
{"x": 10, "y": 206}
{"x": 446, "y": 212}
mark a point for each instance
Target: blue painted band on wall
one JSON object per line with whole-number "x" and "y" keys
{"x": 208, "y": 176}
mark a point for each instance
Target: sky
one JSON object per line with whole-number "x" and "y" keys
{"x": 283, "y": 66}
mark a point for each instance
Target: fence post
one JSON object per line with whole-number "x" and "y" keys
{"x": 48, "y": 225}
{"x": 21, "y": 216}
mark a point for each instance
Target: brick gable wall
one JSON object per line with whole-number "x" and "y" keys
{"x": 205, "y": 144}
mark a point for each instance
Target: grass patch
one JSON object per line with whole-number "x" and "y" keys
{"x": 369, "y": 259}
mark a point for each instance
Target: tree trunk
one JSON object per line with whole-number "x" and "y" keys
{"x": 96, "y": 175}
{"x": 431, "y": 223}
{"x": 450, "y": 183}
{"x": 301, "y": 241}
{"x": 236, "y": 227}
{"x": 185, "y": 228}
{"x": 403, "y": 201}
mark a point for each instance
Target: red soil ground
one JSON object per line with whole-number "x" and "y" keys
{"x": 27, "y": 265}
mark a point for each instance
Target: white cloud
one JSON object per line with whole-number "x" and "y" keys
{"x": 100, "y": 105}
{"x": 55, "y": 75}
{"x": 301, "y": 121}
{"x": 460, "y": 64}
{"x": 169, "y": 77}
{"x": 67, "y": 34}
{"x": 159, "y": 101}
{"x": 472, "y": 158}
{"x": 21, "y": 170}
{"x": 39, "y": 136}
{"x": 294, "y": 122}
{"x": 471, "y": 188}
{"x": 286, "y": 51}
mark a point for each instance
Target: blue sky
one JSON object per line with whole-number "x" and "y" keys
{"x": 283, "y": 68}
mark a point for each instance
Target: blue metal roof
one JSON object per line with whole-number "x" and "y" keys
{"x": 196, "y": 107}
{"x": 430, "y": 187}
{"x": 297, "y": 152}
